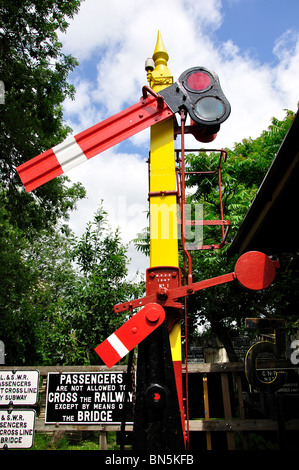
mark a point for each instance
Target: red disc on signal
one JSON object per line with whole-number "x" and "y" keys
{"x": 255, "y": 270}
{"x": 199, "y": 81}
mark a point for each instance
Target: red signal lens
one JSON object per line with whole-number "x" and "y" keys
{"x": 198, "y": 81}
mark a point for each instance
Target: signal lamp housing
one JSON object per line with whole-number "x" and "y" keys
{"x": 198, "y": 91}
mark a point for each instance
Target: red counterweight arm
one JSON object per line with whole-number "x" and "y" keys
{"x": 254, "y": 270}
{"x": 168, "y": 298}
{"x": 85, "y": 145}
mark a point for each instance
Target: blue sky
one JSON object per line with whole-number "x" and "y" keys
{"x": 255, "y": 25}
{"x": 253, "y": 45}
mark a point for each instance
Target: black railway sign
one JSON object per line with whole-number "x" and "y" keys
{"x": 87, "y": 398}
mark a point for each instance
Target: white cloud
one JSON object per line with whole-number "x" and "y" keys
{"x": 82, "y": 112}
{"x": 285, "y": 45}
{"x": 204, "y": 13}
{"x": 121, "y": 181}
{"x": 114, "y": 38}
{"x": 287, "y": 51}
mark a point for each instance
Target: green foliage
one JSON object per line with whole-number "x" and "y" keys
{"x": 142, "y": 241}
{"x": 225, "y": 307}
{"x": 85, "y": 316}
{"x": 241, "y": 175}
{"x": 57, "y": 301}
{"x": 34, "y": 275}
{"x": 56, "y": 292}
{"x": 59, "y": 441}
{"x": 34, "y": 72}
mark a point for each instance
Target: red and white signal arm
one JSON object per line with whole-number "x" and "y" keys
{"x": 197, "y": 90}
{"x": 130, "y": 334}
{"x": 77, "y": 149}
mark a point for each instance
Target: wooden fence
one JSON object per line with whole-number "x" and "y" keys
{"x": 220, "y": 416}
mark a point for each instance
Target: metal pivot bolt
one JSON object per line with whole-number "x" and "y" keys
{"x": 153, "y": 315}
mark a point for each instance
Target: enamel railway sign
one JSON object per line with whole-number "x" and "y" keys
{"x": 17, "y": 428}
{"x": 86, "y": 398}
{"x": 18, "y": 388}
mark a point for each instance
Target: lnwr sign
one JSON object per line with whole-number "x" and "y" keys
{"x": 87, "y": 398}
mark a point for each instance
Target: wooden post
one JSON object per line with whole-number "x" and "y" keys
{"x": 242, "y": 409}
{"x": 103, "y": 440}
{"x": 227, "y": 409}
{"x": 207, "y": 410}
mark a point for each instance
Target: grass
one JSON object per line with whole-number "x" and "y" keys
{"x": 59, "y": 441}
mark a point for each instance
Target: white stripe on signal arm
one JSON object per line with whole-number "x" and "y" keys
{"x": 69, "y": 154}
{"x": 119, "y": 347}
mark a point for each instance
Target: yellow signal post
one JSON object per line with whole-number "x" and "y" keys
{"x": 163, "y": 208}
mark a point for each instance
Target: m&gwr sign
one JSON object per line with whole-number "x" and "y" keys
{"x": 86, "y": 398}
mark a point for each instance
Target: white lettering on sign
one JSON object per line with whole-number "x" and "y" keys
{"x": 89, "y": 378}
{"x": 19, "y": 387}
{"x": 163, "y": 280}
{"x": 95, "y": 416}
{"x": 17, "y": 428}
{"x": 86, "y": 397}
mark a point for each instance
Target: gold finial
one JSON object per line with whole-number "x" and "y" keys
{"x": 160, "y": 55}
{"x": 159, "y": 76}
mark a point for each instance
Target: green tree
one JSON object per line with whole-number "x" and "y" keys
{"x": 57, "y": 304}
{"x": 34, "y": 71}
{"x": 84, "y": 316}
{"x": 224, "y": 308}
{"x": 243, "y": 172}
{"x": 34, "y": 278}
